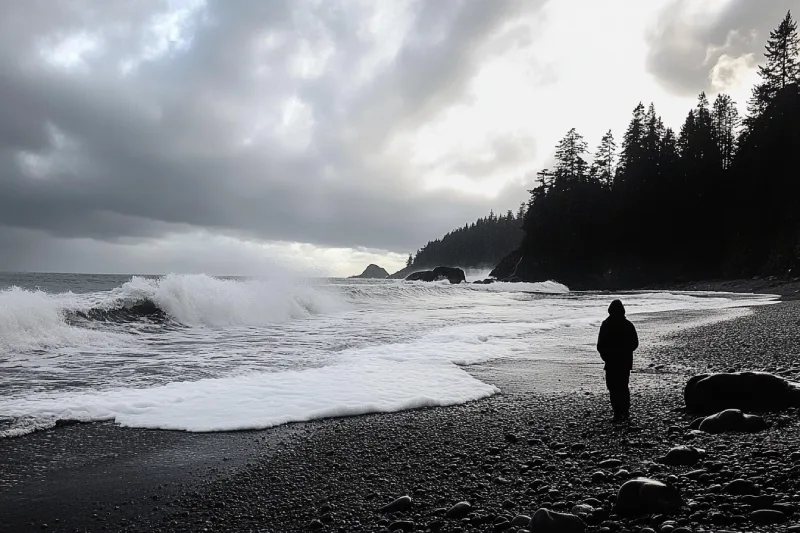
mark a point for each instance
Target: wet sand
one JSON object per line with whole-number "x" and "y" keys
{"x": 536, "y": 444}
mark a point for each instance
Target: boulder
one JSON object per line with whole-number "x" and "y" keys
{"x": 547, "y": 521}
{"x": 403, "y": 503}
{"x": 731, "y": 420}
{"x": 682, "y": 456}
{"x": 372, "y": 272}
{"x": 453, "y": 275}
{"x": 422, "y": 275}
{"x": 647, "y": 496}
{"x": 749, "y": 391}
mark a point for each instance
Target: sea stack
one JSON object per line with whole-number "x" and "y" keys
{"x": 372, "y": 272}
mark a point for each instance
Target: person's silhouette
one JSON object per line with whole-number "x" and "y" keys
{"x": 616, "y": 343}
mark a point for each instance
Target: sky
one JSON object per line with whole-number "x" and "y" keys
{"x": 249, "y": 136}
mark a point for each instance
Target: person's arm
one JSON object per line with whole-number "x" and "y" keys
{"x": 634, "y": 338}
{"x": 602, "y": 341}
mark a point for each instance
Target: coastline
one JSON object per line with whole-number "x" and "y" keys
{"x": 343, "y": 470}
{"x": 787, "y": 288}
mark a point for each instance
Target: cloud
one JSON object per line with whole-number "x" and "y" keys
{"x": 266, "y": 121}
{"x": 710, "y": 46}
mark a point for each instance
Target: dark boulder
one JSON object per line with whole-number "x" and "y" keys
{"x": 749, "y": 391}
{"x": 682, "y": 456}
{"x": 647, "y": 496}
{"x": 547, "y": 521}
{"x": 453, "y": 275}
{"x": 422, "y": 275}
{"x": 732, "y": 420}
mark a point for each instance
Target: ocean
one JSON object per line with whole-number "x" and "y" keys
{"x": 199, "y": 353}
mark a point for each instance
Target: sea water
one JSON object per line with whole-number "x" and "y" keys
{"x": 198, "y": 353}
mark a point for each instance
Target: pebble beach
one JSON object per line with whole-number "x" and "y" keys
{"x": 483, "y": 466}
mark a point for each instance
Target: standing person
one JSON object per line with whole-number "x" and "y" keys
{"x": 616, "y": 343}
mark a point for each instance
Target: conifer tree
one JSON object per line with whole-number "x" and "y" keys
{"x": 605, "y": 160}
{"x": 571, "y": 165}
{"x": 725, "y": 121}
{"x": 782, "y": 66}
{"x": 632, "y": 147}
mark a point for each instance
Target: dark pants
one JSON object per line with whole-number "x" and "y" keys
{"x": 617, "y": 383}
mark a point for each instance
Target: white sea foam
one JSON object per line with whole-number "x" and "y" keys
{"x": 382, "y": 378}
{"x": 256, "y": 354}
{"x": 34, "y": 320}
{"x": 200, "y": 300}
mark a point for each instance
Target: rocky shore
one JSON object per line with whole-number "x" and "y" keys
{"x": 487, "y": 465}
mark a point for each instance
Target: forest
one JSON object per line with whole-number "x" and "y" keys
{"x": 720, "y": 198}
{"x": 484, "y": 243}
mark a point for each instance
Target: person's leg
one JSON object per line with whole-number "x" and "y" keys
{"x": 612, "y": 383}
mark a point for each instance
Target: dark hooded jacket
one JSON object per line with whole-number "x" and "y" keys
{"x": 618, "y": 339}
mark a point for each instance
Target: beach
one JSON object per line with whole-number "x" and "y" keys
{"x": 539, "y": 443}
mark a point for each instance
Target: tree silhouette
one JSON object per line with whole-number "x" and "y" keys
{"x": 715, "y": 199}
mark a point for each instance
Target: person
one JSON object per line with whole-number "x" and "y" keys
{"x": 616, "y": 343}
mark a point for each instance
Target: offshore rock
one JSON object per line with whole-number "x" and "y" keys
{"x": 748, "y": 391}
{"x": 372, "y": 272}
{"x": 453, "y": 275}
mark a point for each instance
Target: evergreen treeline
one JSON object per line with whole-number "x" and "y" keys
{"x": 484, "y": 242}
{"x": 718, "y": 198}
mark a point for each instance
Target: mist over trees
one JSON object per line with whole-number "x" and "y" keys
{"x": 719, "y": 198}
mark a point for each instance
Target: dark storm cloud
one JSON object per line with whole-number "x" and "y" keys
{"x": 684, "y": 49}
{"x": 88, "y": 151}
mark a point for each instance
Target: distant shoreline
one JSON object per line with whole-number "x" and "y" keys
{"x": 787, "y": 288}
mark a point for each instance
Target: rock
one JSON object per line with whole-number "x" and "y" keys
{"x": 610, "y": 463}
{"x": 459, "y": 510}
{"x": 767, "y": 516}
{"x": 402, "y": 503}
{"x": 749, "y": 391}
{"x": 647, "y": 496}
{"x": 315, "y": 525}
{"x": 453, "y": 275}
{"x": 732, "y": 420}
{"x": 401, "y": 525}
{"x": 372, "y": 272}
{"x": 740, "y": 487}
{"x": 546, "y": 521}
{"x": 521, "y": 520}
{"x": 682, "y": 456}
{"x": 582, "y": 510}
{"x": 511, "y": 438}
{"x": 422, "y": 275}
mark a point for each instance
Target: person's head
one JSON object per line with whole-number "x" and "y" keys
{"x": 616, "y": 308}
